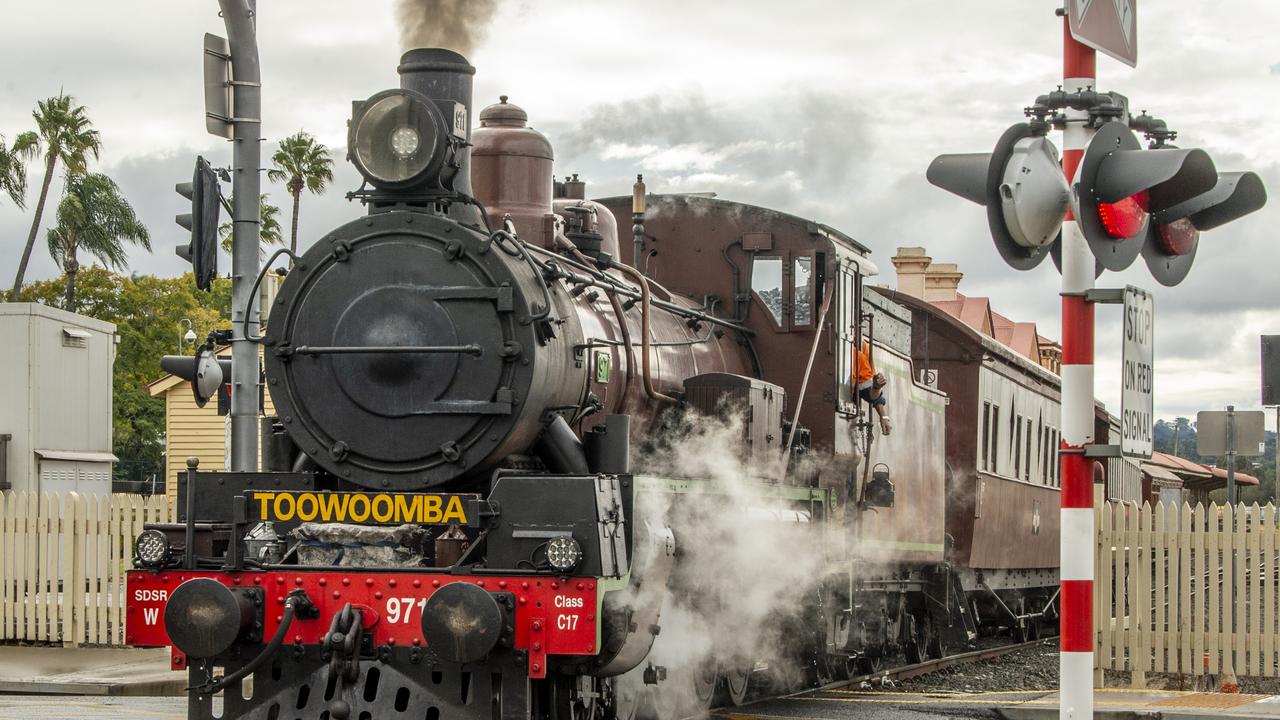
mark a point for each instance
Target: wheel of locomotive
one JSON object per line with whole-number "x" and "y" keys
{"x": 922, "y": 638}
{"x": 704, "y": 680}
{"x": 870, "y": 663}
{"x": 685, "y": 693}
{"x": 937, "y": 647}
{"x": 629, "y": 697}
{"x": 566, "y": 704}
{"x": 737, "y": 680}
{"x": 744, "y": 681}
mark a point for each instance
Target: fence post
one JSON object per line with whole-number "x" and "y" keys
{"x": 6, "y": 562}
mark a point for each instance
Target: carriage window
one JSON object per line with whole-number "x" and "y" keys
{"x": 1017, "y": 446}
{"x": 802, "y": 274}
{"x": 1046, "y": 474}
{"x": 993, "y": 439}
{"x": 1026, "y": 472}
{"x": 766, "y": 281}
{"x": 1057, "y": 465}
{"x": 983, "y": 445}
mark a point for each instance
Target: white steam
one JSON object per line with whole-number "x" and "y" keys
{"x": 747, "y": 562}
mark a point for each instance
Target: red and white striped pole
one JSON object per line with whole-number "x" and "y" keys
{"x": 1075, "y": 660}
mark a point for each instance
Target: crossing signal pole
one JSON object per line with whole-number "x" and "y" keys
{"x": 1075, "y": 550}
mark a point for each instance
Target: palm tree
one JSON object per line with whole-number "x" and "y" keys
{"x": 268, "y": 224}
{"x": 66, "y": 134}
{"x": 301, "y": 162}
{"x": 13, "y": 168}
{"x": 94, "y": 217}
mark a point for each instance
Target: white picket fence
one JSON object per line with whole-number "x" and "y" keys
{"x": 1164, "y": 586}
{"x": 62, "y": 564}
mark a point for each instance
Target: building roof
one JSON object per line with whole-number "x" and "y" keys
{"x": 1180, "y": 466}
{"x": 56, "y": 314}
{"x": 1241, "y": 478}
{"x": 1195, "y": 476}
{"x": 1159, "y": 473}
{"x": 976, "y": 312}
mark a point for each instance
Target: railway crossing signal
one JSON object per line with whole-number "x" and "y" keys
{"x": 1021, "y": 184}
{"x": 207, "y": 373}
{"x": 1154, "y": 202}
{"x": 202, "y": 249}
{"x": 1127, "y": 200}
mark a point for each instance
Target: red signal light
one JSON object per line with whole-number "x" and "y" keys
{"x": 1124, "y": 218}
{"x": 1178, "y": 237}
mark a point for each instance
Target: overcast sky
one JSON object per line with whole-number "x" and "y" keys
{"x": 831, "y": 110}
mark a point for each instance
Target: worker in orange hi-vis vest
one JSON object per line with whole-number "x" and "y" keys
{"x": 868, "y": 384}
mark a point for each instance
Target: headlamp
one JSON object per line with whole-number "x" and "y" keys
{"x": 564, "y": 553}
{"x": 151, "y": 548}
{"x": 397, "y": 138}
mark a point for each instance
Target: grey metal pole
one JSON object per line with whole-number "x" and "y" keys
{"x": 239, "y": 16}
{"x": 1231, "y": 513}
{"x": 1231, "y": 456}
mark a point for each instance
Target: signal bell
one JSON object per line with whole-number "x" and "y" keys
{"x": 1020, "y": 183}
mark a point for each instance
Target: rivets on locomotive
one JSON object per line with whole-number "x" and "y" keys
{"x": 338, "y": 451}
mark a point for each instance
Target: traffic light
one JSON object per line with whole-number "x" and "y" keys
{"x": 1171, "y": 241}
{"x": 205, "y": 371}
{"x": 1020, "y": 183}
{"x": 205, "y": 197}
{"x": 1120, "y": 188}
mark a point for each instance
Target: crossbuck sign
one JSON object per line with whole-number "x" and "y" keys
{"x": 1136, "y": 408}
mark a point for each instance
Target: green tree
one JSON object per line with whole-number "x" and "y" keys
{"x": 65, "y": 134}
{"x": 268, "y": 224}
{"x": 146, "y": 311}
{"x": 95, "y": 218}
{"x": 13, "y": 168}
{"x": 301, "y": 162}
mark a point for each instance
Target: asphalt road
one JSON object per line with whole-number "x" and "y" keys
{"x": 818, "y": 705}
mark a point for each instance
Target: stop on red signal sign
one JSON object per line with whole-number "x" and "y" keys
{"x": 1136, "y": 399}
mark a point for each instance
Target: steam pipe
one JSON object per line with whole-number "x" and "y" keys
{"x": 645, "y": 312}
{"x": 609, "y": 285}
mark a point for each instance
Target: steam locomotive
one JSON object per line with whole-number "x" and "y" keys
{"x": 474, "y": 502}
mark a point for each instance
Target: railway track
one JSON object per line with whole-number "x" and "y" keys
{"x": 907, "y": 672}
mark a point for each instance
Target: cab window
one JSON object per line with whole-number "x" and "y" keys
{"x": 802, "y": 291}
{"x": 766, "y": 282}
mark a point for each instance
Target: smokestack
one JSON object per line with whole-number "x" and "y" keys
{"x": 442, "y": 74}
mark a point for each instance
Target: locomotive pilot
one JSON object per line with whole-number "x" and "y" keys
{"x": 869, "y": 385}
